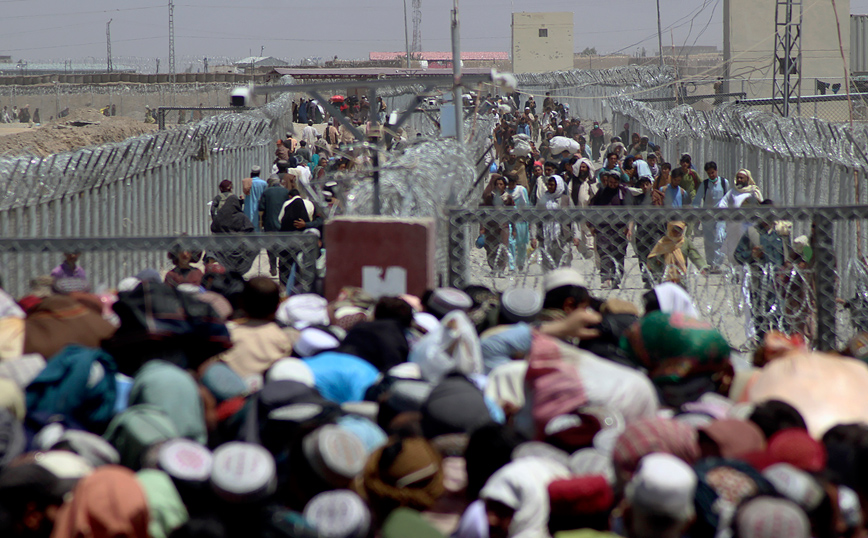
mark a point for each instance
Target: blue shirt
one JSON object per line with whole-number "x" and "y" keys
{"x": 341, "y": 377}
{"x": 673, "y": 196}
{"x": 251, "y": 201}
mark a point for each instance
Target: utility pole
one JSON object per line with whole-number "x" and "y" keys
{"x": 787, "y": 69}
{"x": 108, "y": 44}
{"x": 659, "y": 34}
{"x": 457, "y": 101}
{"x": 206, "y": 63}
{"x": 406, "y": 35}
{"x": 172, "y": 41}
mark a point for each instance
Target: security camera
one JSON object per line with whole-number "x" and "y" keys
{"x": 241, "y": 96}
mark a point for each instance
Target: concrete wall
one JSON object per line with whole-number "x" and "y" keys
{"x": 534, "y": 54}
{"x": 749, "y": 42}
{"x": 858, "y": 44}
{"x": 129, "y": 99}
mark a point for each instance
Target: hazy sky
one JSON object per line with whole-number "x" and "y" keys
{"x": 38, "y": 30}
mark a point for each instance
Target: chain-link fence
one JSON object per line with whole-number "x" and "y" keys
{"x": 107, "y": 261}
{"x": 749, "y": 270}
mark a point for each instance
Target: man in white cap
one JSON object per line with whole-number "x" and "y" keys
{"x": 660, "y": 498}
{"x": 565, "y": 291}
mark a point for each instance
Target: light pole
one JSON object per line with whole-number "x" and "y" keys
{"x": 108, "y": 44}
{"x": 406, "y": 35}
{"x": 659, "y": 34}
{"x": 457, "y": 101}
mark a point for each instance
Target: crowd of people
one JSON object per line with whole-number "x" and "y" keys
{"x": 219, "y": 409}
{"x": 17, "y": 115}
{"x": 542, "y": 159}
{"x": 204, "y": 402}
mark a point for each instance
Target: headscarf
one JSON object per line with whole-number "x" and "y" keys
{"x": 406, "y": 472}
{"x": 681, "y": 354}
{"x": 523, "y": 486}
{"x": 78, "y": 383}
{"x": 173, "y": 390}
{"x": 230, "y": 218}
{"x": 557, "y": 388}
{"x": 794, "y": 446}
{"x": 61, "y": 320}
{"x": 734, "y": 437}
{"x": 673, "y": 299}
{"x": 723, "y": 485}
{"x": 451, "y": 347}
{"x": 669, "y": 247}
{"x": 751, "y": 187}
{"x": 167, "y": 510}
{"x": 552, "y": 200}
{"x": 655, "y": 434}
{"x": 576, "y": 195}
{"x": 108, "y": 503}
{"x": 577, "y": 166}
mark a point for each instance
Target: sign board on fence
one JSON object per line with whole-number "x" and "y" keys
{"x": 382, "y": 255}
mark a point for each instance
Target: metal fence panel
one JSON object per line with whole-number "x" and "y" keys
{"x": 108, "y": 260}
{"x": 817, "y": 285}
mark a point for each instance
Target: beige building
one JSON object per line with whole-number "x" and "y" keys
{"x": 749, "y": 45}
{"x": 542, "y": 42}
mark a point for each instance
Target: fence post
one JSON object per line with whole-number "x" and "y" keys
{"x": 824, "y": 270}
{"x": 457, "y": 257}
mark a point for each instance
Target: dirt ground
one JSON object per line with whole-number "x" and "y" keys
{"x": 63, "y": 135}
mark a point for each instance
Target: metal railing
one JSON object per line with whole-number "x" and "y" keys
{"x": 738, "y": 293}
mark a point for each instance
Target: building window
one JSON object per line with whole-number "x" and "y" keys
{"x": 543, "y": 32}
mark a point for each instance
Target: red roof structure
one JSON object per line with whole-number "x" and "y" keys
{"x": 440, "y": 56}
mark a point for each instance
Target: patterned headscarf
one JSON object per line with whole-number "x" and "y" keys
{"x": 643, "y": 437}
{"x": 723, "y": 485}
{"x": 556, "y": 386}
{"x": 680, "y": 353}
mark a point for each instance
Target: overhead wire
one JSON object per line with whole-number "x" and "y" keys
{"x": 664, "y": 85}
{"x": 50, "y": 14}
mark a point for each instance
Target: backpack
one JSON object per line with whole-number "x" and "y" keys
{"x": 705, "y": 186}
